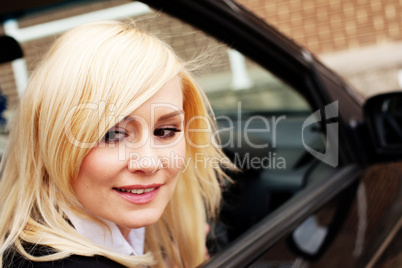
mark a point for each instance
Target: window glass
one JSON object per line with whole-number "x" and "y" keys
{"x": 247, "y": 83}
{"x": 228, "y": 77}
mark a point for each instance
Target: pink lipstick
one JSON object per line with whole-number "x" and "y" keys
{"x": 138, "y": 194}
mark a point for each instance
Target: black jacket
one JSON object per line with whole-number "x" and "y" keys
{"x": 13, "y": 259}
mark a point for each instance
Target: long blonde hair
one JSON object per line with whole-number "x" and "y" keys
{"x": 61, "y": 118}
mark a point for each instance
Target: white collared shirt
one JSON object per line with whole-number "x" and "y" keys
{"x": 111, "y": 239}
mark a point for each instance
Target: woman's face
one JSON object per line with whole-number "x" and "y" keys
{"x": 130, "y": 176}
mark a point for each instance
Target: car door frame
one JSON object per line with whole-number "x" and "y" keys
{"x": 240, "y": 29}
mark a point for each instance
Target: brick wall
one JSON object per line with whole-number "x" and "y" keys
{"x": 333, "y": 25}
{"x": 359, "y": 39}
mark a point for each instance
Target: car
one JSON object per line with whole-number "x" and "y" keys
{"x": 320, "y": 182}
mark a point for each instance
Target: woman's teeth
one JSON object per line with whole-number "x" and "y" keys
{"x": 136, "y": 191}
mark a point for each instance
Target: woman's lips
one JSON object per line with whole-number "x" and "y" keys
{"x": 138, "y": 194}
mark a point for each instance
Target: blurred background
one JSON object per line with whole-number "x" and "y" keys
{"x": 359, "y": 39}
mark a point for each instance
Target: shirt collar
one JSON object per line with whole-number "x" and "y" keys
{"x": 111, "y": 239}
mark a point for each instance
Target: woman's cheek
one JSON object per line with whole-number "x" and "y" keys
{"x": 177, "y": 156}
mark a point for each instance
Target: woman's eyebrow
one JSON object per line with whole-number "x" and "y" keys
{"x": 163, "y": 117}
{"x": 169, "y": 115}
{"x": 128, "y": 118}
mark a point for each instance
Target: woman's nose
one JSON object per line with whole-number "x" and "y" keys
{"x": 144, "y": 163}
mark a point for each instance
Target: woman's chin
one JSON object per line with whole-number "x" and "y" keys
{"x": 140, "y": 221}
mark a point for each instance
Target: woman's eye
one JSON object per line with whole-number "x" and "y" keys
{"x": 114, "y": 136}
{"x": 166, "y": 133}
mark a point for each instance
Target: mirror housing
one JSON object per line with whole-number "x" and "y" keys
{"x": 383, "y": 116}
{"x": 10, "y": 49}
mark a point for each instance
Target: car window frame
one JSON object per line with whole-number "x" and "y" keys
{"x": 238, "y": 28}
{"x": 241, "y": 30}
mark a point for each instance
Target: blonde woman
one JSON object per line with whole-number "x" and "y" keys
{"x": 106, "y": 161}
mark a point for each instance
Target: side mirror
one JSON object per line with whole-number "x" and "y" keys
{"x": 383, "y": 115}
{"x": 9, "y": 49}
